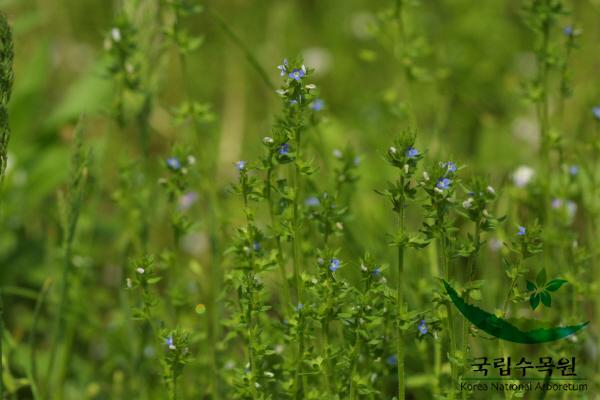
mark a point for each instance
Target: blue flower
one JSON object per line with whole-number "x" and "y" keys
{"x": 256, "y": 246}
{"x": 573, "y": 170}
{"x": 317, "y": 105}
{"x": 392, "y": 360}
{"x": 444, "y": 184}
{"x": 173, "y": 163}
{"x": 284, "y": 149}
{"x": 169, "y": 342}
{"x": 522, "y": 231}
{"x": 299, "y": 307}
{"x": 450, "y": 166}
{"x": 411, "y": 152}
{"x": 596, "y": 112}
{"x": 334, "y": 265}
{"x": 240, "y": 165}
{"x": 422, "y": 327}
{"x": 283, "y": 67}
{"x": 293, "y": 102}
{"x": 568, "y": 30}
{"x": 376, "y": 271}
{"x": 312, "y": 201}
{"x": 297, "y": 74}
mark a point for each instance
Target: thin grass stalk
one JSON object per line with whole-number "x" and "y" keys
{"x": 400, "y": 301}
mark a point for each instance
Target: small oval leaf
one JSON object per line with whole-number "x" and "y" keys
{"x": 554, "y": 285}
{"x": 546, "y": 299}
{"x": 534, "y": 300}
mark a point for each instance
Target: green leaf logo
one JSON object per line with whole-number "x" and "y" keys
{"x": 540, "y": 290}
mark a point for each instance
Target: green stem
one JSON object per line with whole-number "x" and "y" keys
{"x": 470, "y": 278}
{"x": 59, "y": 323}
{"x": 296, "y": 243}
{"x": 32, "y": 357}
{"x": 280, "y": 260}
{"x": 450, "y": 322}
{"x": 1, "y": 340}
{"x": 400, "y": 301}
{"x": 328, "y": 369}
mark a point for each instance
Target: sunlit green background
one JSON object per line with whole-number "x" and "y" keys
{"x": 474, "y": 58}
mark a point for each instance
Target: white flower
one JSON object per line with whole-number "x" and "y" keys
{"x": 191, "y": 160}
{"x": 491, "y": 190}
{"x": 268, "y": 140}
{"x": 311, "y": 86}
{"x": 140, "y": 270}
{"x": 128, "y": 283}
{"x": 523, "y": 175}
{"x": 425, "y": 176}
{"x": 495, "y": 244}
{"x": 337, "y": 153}
{"x": 571, "y": 209}
{"x": 392, "y": 150}
{"x": 406, "y": 168}
{"x": 468, "y": 203}
{"x": 269, "y": 374}
{"x": 115, "y": 33}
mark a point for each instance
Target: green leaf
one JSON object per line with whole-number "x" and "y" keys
{"x": 541, "y": 277}
{"x": 531, "y": 286}
{"x": 546, "y": 299}
{"x": 555, "y": 284}
{"x": 534, "y": 300}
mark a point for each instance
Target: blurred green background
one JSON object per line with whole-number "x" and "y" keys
{"x": 472, "y": 58}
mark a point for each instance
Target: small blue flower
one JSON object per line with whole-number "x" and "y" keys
{"x": 334, "y": 265}
{"x": 283, "y": 67}
{"x": 450, "y": 166}
{"x": 173, "y": 163}
{"x": 317, "y": 105}
{"x": 299, "y": 307}
{"x": 522, "y": 231}
{"x": 596, "y": 112}
{"x": 256, "y": 246}
{"x": 377, "y": 271}
{"x": 297, "y": 74}
{"x": 293, "y": 102}
{"x": 444, "y": 184}
{"x": 573, "y": 170}
{"x": 169, "y": 342}
{"x": 568, "y": 30}
{"x": 240, "y": 165}
{"x": 284, "y": 149}
{"x": 411, "y": 152}
{"x": 392, "y": 360}
{"x": 312, "y": 201}
{"x": 422, "y": 327}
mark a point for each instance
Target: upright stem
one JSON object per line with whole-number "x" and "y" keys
{"x": 59, "y": 324}
{"x": 450, "y": 322}
{"x": 470, "y": 277}
{"x": 296, "y": 222}
{"x": 250, "y": 294}
{"x": 280, "y": 260}
{"x": 1, "y": 340}
{"x": 400, "y": 300}
{"x": 542, "y": 111}
{"x": 297, "y": 259}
